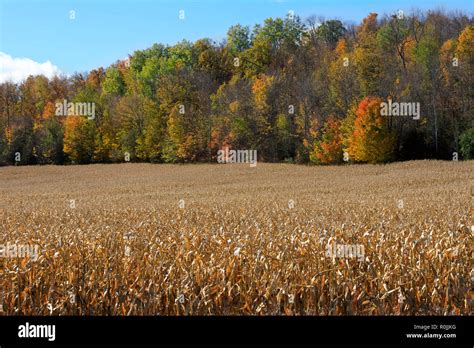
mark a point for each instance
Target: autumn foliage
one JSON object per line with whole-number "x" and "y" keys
{"x": 329, "y": 149}
{"x": 372, "y": 140}
{"x": 290, "y": 89}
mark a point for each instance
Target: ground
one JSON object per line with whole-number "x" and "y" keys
{"x": 124, "y": 239}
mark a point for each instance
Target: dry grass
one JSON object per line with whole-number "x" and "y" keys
{"x": 236, "y": 247}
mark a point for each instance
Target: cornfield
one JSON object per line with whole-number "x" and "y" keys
{"x": 143, "y": 239}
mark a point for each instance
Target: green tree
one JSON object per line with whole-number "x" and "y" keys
{"x": 331, "y": 31}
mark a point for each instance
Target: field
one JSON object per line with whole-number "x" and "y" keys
{"x": 143, "y": 239}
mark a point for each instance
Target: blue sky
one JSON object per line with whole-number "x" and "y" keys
{"x": 105, "y": 30}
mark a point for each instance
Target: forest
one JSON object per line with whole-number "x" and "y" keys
{"x": 297, "y": 91}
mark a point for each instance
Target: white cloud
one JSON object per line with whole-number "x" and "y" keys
{"x": 18, "y": 69}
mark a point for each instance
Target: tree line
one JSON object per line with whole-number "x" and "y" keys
{"x": 295, "y": 91}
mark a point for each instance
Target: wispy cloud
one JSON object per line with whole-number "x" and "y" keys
{"x": 18, "y": 69}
